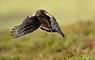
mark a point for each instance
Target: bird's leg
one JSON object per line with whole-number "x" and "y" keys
{"x": 44, "y": 28}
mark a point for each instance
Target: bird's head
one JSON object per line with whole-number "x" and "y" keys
{"x": 40, "y": 12}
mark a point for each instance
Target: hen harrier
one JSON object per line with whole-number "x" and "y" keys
{"x": 41, "y": 19}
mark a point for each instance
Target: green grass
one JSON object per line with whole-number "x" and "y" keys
{"x": 40, "y": 45}
{"x": 76, "y": 18}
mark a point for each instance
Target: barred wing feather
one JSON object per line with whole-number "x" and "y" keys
{"x": 30, "y": 24}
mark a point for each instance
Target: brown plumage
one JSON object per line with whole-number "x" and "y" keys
{"x": 41, "y": 19}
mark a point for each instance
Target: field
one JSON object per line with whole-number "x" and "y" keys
{"x": 78, "y": 45}
{"x": 77, "y": 23}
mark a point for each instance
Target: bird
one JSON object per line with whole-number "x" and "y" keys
{"x": 41, "y": 19}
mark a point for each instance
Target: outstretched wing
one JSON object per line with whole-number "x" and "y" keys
{"x": 55, "y": 26}
{"x": 29, "y": 24}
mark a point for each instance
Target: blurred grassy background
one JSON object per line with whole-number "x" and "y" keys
{"x": 76, "y": 18}
{"x": 65, "y": 11}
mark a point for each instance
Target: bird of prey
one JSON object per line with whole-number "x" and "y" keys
{"x": 41, "y": 19}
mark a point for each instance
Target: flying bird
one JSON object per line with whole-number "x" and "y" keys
{"x": 41, "y": 19}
